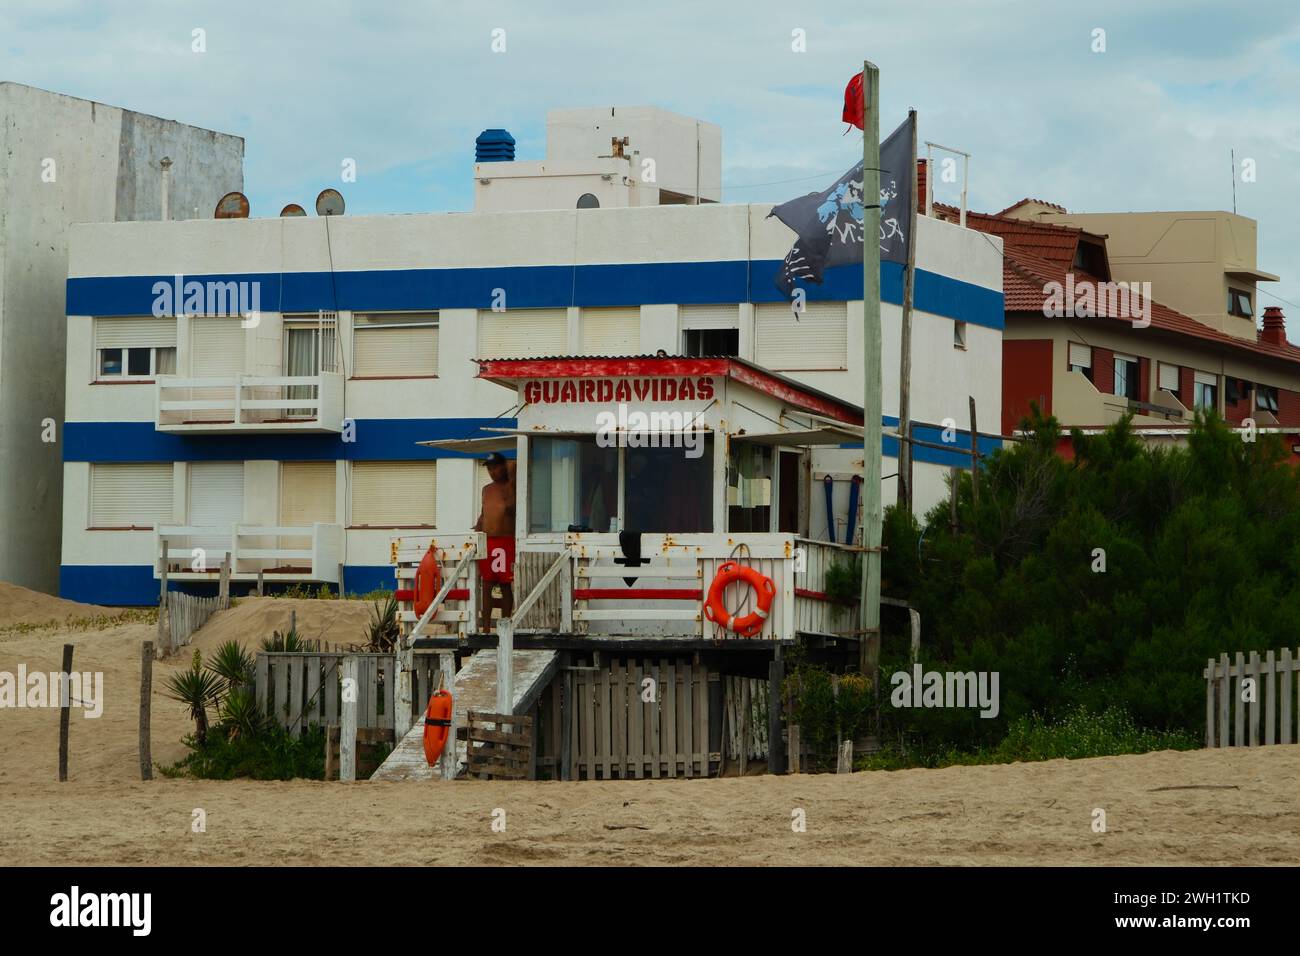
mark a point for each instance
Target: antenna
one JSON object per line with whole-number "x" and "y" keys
{"x": 329, "y": 203}
{"x": 231, "y": 206}
{"x": 1233, "y": 153}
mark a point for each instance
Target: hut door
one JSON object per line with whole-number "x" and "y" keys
{"x": 789, "y": 492}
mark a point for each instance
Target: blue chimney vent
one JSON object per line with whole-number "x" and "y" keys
{"x": 494, "y": 146}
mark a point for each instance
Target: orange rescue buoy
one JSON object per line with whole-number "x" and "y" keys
{"x": 428, "y": 579}
{"x": 437, "y": 722}
{"x": 751, "y": 623}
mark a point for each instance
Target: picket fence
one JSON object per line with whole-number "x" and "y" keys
{"x": 1233, "y": 708}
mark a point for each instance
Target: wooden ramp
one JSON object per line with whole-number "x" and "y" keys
{"x": 475, "y": 689}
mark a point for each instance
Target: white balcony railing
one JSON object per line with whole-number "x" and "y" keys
{"x": 240, "y": 403}
{"x": 193, "y": 553}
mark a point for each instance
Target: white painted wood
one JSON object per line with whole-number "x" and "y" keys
{"x": 348, "y": 723}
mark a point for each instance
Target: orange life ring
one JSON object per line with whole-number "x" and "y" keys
{"x": 428, "y": 579}
{"x": 751, "y": 623}
{"x": 437, "y": 722}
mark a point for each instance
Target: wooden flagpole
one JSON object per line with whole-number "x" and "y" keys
{"x": 869, "y": 639}
{"x": 905, "y": 492}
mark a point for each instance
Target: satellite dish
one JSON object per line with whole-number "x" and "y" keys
{"x": 588, "y": 201}
{"x": 329, "y": 203}
{"x": 293, "y": 209}
{"x": 231, "y": 206}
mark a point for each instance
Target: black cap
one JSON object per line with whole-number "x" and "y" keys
{"x": 496, "y": 458}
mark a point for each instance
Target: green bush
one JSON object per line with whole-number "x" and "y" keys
{"x": 822, "y": 716}
{"x": 271, "y": 754}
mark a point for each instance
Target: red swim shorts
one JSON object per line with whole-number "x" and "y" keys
{"x": 501, "y": 554}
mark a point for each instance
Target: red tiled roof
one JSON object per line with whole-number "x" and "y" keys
{"x": 1029, "y": 199}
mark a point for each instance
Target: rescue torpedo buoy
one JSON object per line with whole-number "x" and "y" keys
{"x": 428, "y": 579}
{"x": 437, "y": 722}
{"x": 751, "y": 623}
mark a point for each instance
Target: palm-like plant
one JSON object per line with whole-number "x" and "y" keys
{"x": 384, "y": 629}
{"x": 288, "y": 641}
{"x": 240, "y": 715}
{"x": 196, "y": 688}
{"x": 232, "y": 664}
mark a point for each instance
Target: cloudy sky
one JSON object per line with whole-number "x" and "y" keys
{"x": 404, "y": 86}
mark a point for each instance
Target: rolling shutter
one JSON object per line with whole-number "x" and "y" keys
{"x": 394, "y": 494}
{"x": 1080, "y": 355}
{"x": 611, "y": 331}
{"x": 523, "y": 333}
{"x": 216, "y": 345}
{"x": 135, "y": 332}
{"x": 816, "y": 339}
{"x": 710, "y": 317}
{"x": 1169, "y": 377}
{"x": 130, "y": 495}
{"x": 395, "y": 345}
{"x": 216, "y": 501}
{"x": 306, "y": 493}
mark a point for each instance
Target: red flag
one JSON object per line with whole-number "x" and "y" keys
{"x": 853, "y": 108}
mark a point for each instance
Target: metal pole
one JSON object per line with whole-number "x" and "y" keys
{"x": 869, "y": 643}
{"x": 905, "y": 344}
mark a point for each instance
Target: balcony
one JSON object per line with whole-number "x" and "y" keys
{"x": 313, "y": 553}
{"x": 236, "y": 404}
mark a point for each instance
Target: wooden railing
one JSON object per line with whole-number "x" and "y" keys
{"x": 310, "y": 553}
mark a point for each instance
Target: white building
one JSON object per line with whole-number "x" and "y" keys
{"x": 290, "y": 437}
{"x": 65, "y": 160}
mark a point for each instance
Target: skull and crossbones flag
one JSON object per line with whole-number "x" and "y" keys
{"x": 828, "y": 224}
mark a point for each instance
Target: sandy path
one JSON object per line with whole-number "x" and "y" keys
{"x": 1018, "y": 814}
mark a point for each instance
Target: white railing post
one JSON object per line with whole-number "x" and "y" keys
{"x": 348, "y": 729}
{"x": 566, "y": 594}
{"x": 505, "y": 665}
{"x": 239, "y": 394}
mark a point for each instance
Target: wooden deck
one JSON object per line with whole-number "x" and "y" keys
{"x": 475, "y": 688}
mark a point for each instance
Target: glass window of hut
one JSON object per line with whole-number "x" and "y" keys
{"x": 749, "y": 487}
{"x": 669, "y": 490}
{"x": 572, "y": 485}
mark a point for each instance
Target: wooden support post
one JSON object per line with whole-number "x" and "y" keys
{"x": 223, "y": 588}
{"x": 566, "y": 721}
{"x": 293, "y": 621}
{"x": 348, "y": 733}
{"x": 775, "y": 750}
{"x": 447, "y": 675}
{"x": 260, "y": 572}
{"x": 146, "y": 699}
{"x": 974, "y": 455}
{"x": 404, "y": 663}
{"x": 65, "y": 711}
{"x": 914, "y": 616}
{"x": 954, "y": 475}
{"x": 340, "y": 579}
{"x": 794, "y": 748}
{"x": 744, "y": 725}
{"x": 845, "y": 762}
{"x": 905, "y": 345}
{"x": 505, "y": 665}
{"x": 164, "y": 637}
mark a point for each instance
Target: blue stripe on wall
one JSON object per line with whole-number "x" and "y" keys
{"x": 134, "y": 585}
{"x": 688, "y": 283}
{"x": 377, "y": 439}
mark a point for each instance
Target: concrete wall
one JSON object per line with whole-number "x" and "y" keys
{"x": 657, "y": 258}
{"x": 68, "y": 160}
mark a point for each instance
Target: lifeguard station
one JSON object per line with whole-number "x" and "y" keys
{"x": 641, "y": 482}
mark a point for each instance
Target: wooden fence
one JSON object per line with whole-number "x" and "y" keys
{"x": 301, "y": 689}
{"x": 745, "y": 702}
{"x": 596, "y": 726}
{"x": 1234, "y": 707}
{"x": 186, "y": 613}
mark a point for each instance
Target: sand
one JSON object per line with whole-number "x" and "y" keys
{"x": 1240, "y": 808}
{"x": 21, "y": 606}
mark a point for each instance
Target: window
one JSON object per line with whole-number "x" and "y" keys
{"x": 1239, "y": 303}
{"x": 611, "y": 331}
{"x": 1169, "y": 377}
{"x": 1127, "y": 378}
{"x": 959, "y": 335}
{"x": 749, "y": 487}
{"x": 1205, "y": 390}
{"x": 710, "y": 329}
{"x": 815, "y": 339}
{"x": 1081, "y": 359}
{"x": 130, "y": 347}
{"x": 574, "y": 484}
{"x": 395, "y": 345}
{"x": 1266, "y": 398}
{"x": 394, "y": 494}
{"x": 521, "y": 333}
{"x": 135, "y": 495}
{"x": 711, "y": 342}
{"x": 1090, "y": 257}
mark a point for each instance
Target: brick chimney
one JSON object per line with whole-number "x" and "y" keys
{"x": 1274, "y": 331}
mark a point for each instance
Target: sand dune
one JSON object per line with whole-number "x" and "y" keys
{"x": 1234, "y": 806}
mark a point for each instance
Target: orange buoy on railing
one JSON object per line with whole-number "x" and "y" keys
{"x": 751, "y": 623}
{"x": 437, "y": 724}
{"x": 428, "y": 579}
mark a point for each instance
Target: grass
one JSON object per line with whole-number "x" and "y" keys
{"x": 98, "y": 622}
{"x": 1081, "y": 733}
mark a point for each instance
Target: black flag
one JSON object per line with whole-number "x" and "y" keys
{"x": 829, "y": 223}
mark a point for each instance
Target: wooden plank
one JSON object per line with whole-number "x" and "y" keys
{"x": 668, "y": 714}
{"x": 654, "y": 716}
{"x": 744, "y": 725}
{"x": 390, "y": 690}
{"x": 617, "y": 726}
{"x": 1209, "y": 703}
{"x": 1270, "y": 699}
{"x": 263, "y": 681}
{"x": 331, "y": 751}
{"x": 348, "y": 733}
{"x": 568, "y": 728}
{"x": 1254, "y": 703}
{"x": 1286, "y": 664}
{"x": 635, "y": 722}
{"x": 281, "y": 666}
{"x": 312, "y": 710}
{"x": 297, "y": 675}
{"x": 1239, "y": 671}
{"x": 686, "y": 719}
{"x": 701, "y": 672}
{"x": 330, "y": 688}
{"x": 589, "y": 724}
{"x": 1225, "y": 688}
{"x": 604, "y": 722}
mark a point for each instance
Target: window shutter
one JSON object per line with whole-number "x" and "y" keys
{"x": 395, "y": 345}
{"x": 710, "y": 317}
{"x": 1205, "y": 378}
{"x": 306, "y": 493}
{"x": 217, "y": 345}
{"x": 815, "y": 339}
{"x": 1169, "y": 377}
{"x": 1080, "y": 355}
{"x": 137, "y": 332}
{"x": 521, "y": 333}
{"x": 394, "y": 494}
{"x": 611, "y": 331}
{"x": 125, "y": 495}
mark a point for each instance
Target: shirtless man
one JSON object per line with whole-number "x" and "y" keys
{"x": 497, "y": 519}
